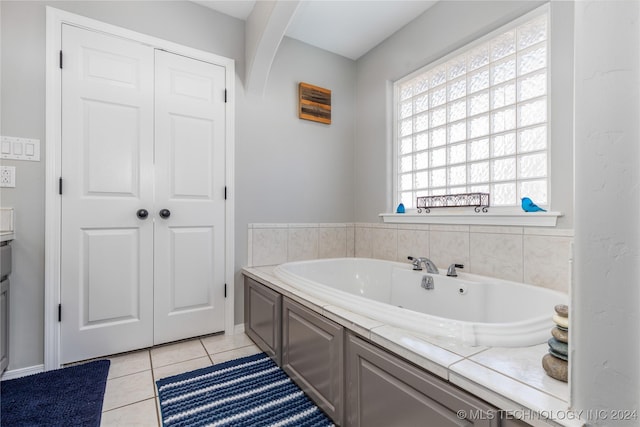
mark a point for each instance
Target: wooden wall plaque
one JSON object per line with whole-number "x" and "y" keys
{"x": 314, "y": 103}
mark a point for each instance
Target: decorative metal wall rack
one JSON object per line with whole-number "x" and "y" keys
{"x": 479, "y": 201}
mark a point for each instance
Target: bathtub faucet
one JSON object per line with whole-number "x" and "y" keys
{"x": 428, "y": 264}
{"x": 451, "y": 271}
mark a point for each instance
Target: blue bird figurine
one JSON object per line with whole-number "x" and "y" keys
{"x": 529, "y": 206}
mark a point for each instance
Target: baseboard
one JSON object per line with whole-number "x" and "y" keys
{"x": 238, "y": 329}
{"x": 22, "y": 372}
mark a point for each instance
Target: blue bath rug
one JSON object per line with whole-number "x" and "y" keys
{"x": 63, "y": 397}
{"x": 250, "y": 391}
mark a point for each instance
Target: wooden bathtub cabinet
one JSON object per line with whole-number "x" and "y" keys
{"x": 355, "y": 382}
{"x": 383, "y": 390}
{"x": 262, "y": 313}
{"x": 312, "y": 355}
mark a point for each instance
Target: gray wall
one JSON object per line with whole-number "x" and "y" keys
{"x": 446, "y": 26}
{"x": 291, "y": 170}
{"x": 286, "y": 169}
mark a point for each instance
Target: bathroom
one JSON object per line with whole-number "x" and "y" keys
{"x": 302, "y": 176}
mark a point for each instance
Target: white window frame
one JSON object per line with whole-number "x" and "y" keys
{"x": 498, "y": 214}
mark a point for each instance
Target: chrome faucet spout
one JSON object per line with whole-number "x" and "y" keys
{"x": 428, "y": 264}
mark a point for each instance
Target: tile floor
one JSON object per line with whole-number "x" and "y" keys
{"x": 131, "y": 396}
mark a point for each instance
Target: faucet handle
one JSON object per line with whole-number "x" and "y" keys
{"x": 451, "y": 271}
{"x": 415, "y": 262}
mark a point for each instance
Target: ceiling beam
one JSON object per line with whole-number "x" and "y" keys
{"x": 265, "y": 28}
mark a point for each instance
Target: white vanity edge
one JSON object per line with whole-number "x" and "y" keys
{"x": 6, "y": 236}
{"x": 441, "y": 359}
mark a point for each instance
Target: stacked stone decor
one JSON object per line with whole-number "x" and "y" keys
{"x": 556, "y": 362}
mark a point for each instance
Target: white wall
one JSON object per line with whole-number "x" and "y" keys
{"x": 606, "y": 294}
{"x": 446, "y": 26}
{"x": 284, "y": 167}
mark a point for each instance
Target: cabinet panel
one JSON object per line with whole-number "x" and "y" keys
{"x": 312, "y": 354}
{"x": 383, "y": 390}
{"x": 4, "y": 325}
{"x": 510, "y": 422}
{"x": 262, "y": 308}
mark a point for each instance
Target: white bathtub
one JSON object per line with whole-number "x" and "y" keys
{"x": 471, "y": 309}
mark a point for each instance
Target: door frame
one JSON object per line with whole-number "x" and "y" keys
{"x": 55, "y": 18}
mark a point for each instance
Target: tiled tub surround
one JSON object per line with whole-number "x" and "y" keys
{"x": 510, "y": 378}
{"x": 533, "y": 255}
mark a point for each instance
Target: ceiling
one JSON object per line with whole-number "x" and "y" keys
{"x": 349, "y": 28}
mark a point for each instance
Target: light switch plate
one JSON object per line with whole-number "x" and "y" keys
{"x": 14, "y": 148}
{"x": 8, "y": 176}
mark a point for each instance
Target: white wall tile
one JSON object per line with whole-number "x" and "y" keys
{"x": 351, "y": 240}
{"x": 448, "y": 247}
{"x": 269, "y": 246}
{"x": 545, "y": 231}
{"x": 495, "y": 229}
{"x": 496, "y": 255}
{"x": 384, "y": 243}
{"x": 363, "y": 236}
{"x": 250, "y": 245}
{"x": 332, "y": 242}
{"x": 512, "y": 253}
{"x": 449, "y": 227}
{"x": 412, "y": 243}
{"x": 303, "y": 243}
{"x": 546, "y": 261}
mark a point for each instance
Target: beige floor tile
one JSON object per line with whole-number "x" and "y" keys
{"x": 175, "y": 353}
{"x": 222, "y": 343}
{"x": 181, "y": 367}
{"x": 128, "y": 389}
{"x": 129, "y": 363}
{"x": 234, "y": 354}
{"x": 143, "y": 414}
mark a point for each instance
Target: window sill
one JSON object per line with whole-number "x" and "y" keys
{"x": 526, "y": 219}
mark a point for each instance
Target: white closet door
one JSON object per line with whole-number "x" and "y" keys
{"x": 190, "y": 179}
{"x": 107, "y": 169}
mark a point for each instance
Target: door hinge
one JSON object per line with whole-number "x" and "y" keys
{"x": 225, "y": 192}
{"x": 225, "y": 290}
{"x": 225, "y": 96}
{"x": 59, "y": 312}
{"x": 61, "y": 60}
{"x": 60, "y": 186}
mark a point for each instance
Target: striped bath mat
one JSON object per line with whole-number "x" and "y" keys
{"x": 250, "y": 391}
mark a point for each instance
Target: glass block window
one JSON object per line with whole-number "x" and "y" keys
{"x": 477, "y": 120}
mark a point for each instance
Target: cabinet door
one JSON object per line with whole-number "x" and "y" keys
{"x": 510, "y": 422}
{"x": 262, "y": 309}
{"x": 383, "y": 390}
{"x": 312, "y": 354}
{"x": 4, "y": 325}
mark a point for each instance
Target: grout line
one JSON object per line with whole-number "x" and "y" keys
{"x": 158, "y": 415}
{"x": 206, "y": 351}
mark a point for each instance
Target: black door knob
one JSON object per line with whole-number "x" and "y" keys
{"x": 142, "y": 213}
{"x": 165, "y": 213}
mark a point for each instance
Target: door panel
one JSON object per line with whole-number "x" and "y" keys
{"x": 107, "y": 166}
{"x": 189, "y": 245}
{"x": 111, "y": 149}
{"x": 191, "y": 267}
{"x": 192, "y": 160}
{"x": 110, "y": 294}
